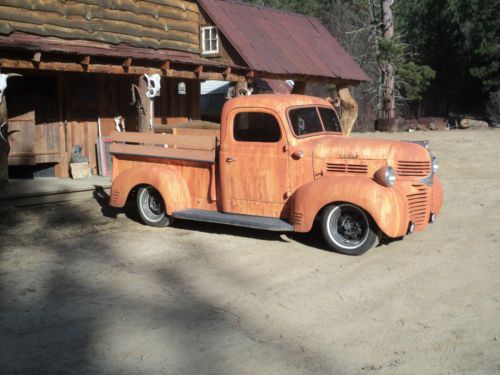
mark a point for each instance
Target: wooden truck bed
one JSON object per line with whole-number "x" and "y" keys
{"x": 179, "y": 147}
{"x": 191, "y": 156}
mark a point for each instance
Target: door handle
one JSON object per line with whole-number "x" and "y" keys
{"x": 298, "y": 155}
{"x": 230, "y": 159}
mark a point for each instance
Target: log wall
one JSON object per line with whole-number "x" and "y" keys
{"x": 167, "y": 24}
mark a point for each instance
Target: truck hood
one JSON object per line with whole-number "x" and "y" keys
{"x": 369, "y": 149}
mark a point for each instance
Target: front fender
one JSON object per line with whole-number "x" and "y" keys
{"x": 386, "y": 206}
{"x": 172, "y": 187}
{"x": 437, "y": 195}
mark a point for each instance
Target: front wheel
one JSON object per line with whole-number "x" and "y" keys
{"x": 348, "y": 229}
{"x": 151, "y": 207}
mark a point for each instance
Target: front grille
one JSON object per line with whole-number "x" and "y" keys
{"x": 414, "y": 168}
{"x": 347, "y": 168}
{"x": 418, "y": 205}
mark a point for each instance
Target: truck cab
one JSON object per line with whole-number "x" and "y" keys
{"x": 279, "y": 162}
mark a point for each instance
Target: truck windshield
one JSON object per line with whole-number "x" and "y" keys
{"x": 307, "y": 120}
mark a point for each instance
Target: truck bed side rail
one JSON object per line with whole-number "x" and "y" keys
{"x": 179, "y": 147}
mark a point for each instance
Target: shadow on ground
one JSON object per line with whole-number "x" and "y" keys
{"x": 70, "y": 303}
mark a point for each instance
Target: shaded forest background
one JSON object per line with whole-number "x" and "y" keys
{"x": 445, "y": 53}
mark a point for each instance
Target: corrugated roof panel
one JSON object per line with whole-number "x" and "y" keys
{"x": 283, "y": 43}
{"x": 214, "y": 87}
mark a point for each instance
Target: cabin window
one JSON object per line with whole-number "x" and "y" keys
{"x": 209, "y": 40}
{"x": 256, "y": 127}
{"x": 330, "y": 120}
{"x": 305, "y": 121}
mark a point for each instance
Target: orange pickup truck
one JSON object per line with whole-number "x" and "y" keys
{"x": 279, "y": 162}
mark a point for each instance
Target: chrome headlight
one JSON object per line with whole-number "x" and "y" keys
{"x": 390, "y": 176}
{"x": 386, "y": 176}
{"x": 435, "y": 165}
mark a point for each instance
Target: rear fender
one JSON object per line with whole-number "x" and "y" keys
{"x": 172, "y": 187}
{"x": 386, "y": 206}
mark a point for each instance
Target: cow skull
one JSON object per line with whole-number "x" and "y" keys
{"x": 154, "y": 86}
{"x": 3, "y": 82}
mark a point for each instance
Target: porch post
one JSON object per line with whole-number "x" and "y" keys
{"x": 4, "y": 145}
{"x": 144, "y": 107}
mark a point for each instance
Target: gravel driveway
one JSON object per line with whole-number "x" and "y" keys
{"x": 88, "y": 289}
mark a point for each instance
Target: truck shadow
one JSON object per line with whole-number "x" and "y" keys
{"x": 102, "y": 198}
{"x": 230, "y": 230}
{"x": 313, "y": 239}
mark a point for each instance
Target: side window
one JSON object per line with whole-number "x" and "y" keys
{"x": 209, "y": 40}
{"x": 305, "y": 121}
{"x": 330, "y": 120}
{"x": 256, "y": 127}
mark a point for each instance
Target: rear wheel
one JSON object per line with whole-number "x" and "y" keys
{"x": 151, "y": 207}
{"x": 348, "y": 229}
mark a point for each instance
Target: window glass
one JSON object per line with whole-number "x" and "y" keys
{"x": 330, "y": 120}
{"x": 305, "y": 121}
{"x": 256, "y": 127}
{"x": 210, "y": 39}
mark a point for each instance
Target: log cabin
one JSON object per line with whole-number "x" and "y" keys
{"x": 83, "y": 63}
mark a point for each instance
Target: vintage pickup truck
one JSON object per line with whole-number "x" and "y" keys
{"x": 279, "y": 162}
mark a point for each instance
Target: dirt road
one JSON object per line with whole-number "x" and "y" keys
{"x": 85, "y": 289}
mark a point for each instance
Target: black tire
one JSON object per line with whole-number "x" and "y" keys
{"x": 151, "y": 207}
{"x": 348, "y": 229}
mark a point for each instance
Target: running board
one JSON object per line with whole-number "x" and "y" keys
{"x": 246, "y": 221}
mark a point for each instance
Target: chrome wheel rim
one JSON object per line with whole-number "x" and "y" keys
{"x": 152, "y": 204}
{"x": 348, "y": 226}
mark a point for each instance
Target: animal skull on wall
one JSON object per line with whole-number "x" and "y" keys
{"x": 154, "y": 86}
{"x": 3, "y": 82}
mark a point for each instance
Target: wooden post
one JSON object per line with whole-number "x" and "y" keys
{"x": 144, "y": 107}
{"x": 4, "y": 144}
{"x": 240, "y": 87}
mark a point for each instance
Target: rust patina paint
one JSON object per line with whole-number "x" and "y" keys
{"x": 269, "y": 179}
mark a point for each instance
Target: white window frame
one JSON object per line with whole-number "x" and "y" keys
{"x": 206, "y": 32}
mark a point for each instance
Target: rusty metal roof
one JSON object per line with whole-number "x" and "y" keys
{"x": 282, "y": 43}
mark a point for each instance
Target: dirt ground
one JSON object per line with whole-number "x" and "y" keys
{"x": 86, "y": 289}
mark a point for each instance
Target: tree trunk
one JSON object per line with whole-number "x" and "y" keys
{"x": 387, "y": 70}
{"x": 4, "y": 145}
{"x": 349, "y": 109}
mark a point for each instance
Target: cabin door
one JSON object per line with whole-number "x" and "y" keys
{"x": 254, "y": 164}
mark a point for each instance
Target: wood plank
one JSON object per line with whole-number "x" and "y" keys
{"x": 22, "y": 141}
{"x": 92, "y": 135}
{"x": 47, "y": 148}
{"x": 179, "y": 141}
{"x": 162, "y": 152}
{"x": 196, "y": 132}
{"x": 116, "y": 69}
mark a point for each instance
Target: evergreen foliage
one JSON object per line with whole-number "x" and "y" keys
{"x": 446, "y": 52}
